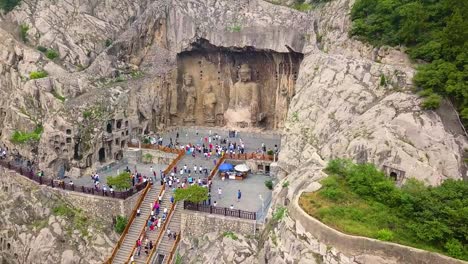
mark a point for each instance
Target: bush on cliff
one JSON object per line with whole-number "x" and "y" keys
{"x": 8, "y": 5}
{"x": 359, "y": 199}
{"x": 120, "y": 224}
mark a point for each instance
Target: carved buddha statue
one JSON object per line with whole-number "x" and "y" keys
{"x": 243, "y": 99}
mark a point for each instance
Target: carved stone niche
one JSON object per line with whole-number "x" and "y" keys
{"x": 249, "y": 87}
{"x": 395, "y": 174}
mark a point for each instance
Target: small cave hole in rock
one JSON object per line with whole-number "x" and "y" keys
{"x": 109, "y": 128}
{"x": 102, "y": 155}
{"x": 69, "y": 140}
{"x": 393, "y": 176}
{"x": 119, "y": 124}
{"x": 68, "y": 131}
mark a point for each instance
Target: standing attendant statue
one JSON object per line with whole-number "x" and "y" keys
{"x": 191, "y": 97}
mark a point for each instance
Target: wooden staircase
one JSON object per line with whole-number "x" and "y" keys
{"x": 166, "y": 246}
{"x": 124, "y": 252}
{"x": 126, "y": 246}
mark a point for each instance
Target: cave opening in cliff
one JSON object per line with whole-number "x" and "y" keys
{"x": 242, "y": 87}
{"x": 102, "y": 155}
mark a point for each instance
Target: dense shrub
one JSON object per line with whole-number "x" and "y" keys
{"x": 120, "y": 182}
{"x": 269, "y": 184}
{"x": 21, "y": 137}
{"x": 362, "y": 200}
{"x": 37, "y": 75}
{"x": 52, "y": 54}
{"x": 41, "y": 48}
{"x": 433, "y": 31}
{"x": 8, "y": 5}
{"x": 120, "y": 224}
{"x": 24, "y": 32}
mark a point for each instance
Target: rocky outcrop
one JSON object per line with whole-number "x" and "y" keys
{"x": 355, "y": 102}
{"x": 40, "y": 226}
{"x": 216, "y": 247}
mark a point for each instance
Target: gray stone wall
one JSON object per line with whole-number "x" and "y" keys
{"x": 129, "y": 203}
{"x": 196, "y": 224}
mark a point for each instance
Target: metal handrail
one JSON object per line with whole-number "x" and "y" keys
{"x": 174, "y": 247}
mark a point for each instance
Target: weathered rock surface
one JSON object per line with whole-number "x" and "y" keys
{"x": 218, "y": 248}
{"x": 31, "y": 232}
{"x": 349, "y": 99}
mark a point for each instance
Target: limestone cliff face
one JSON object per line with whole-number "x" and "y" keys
{"x": 356, "y": 102}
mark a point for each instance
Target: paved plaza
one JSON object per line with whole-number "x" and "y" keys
{"x": 251, "y": 188}
{"x": 255, "y": 195}
{"x": 144, "y": 169}
{"x": 252, "y": 140}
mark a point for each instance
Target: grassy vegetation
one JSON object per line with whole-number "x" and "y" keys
{"x": 269, "y": 184}
{"x": 37, "y": 75}
{"x": 279, "y": 214}
{"x": 435, "y": 32}
{"x": 120, "y": 224}
{"x": 285, "y": 184}
{"x": 21, "y": 137}
{"x": 231, "y": 235}
{"x": 76, "y": 217}
{"x": 108, "y": 42}
{"x": 361, "y": 200}
{"x": 58, "y": 96}
{"x": 194, "y": 194}
{"x": 303, "y": 7}
{"x": 52, "y": 54}
{"x": 178, "y": 258}
{"x": 24, "y": 32}
{"x": 41, "y": 48}
{"x": 235, "y": 28}
{"x": 148, "y": 158}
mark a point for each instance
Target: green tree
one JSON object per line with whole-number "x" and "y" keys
{"x": 194, "y": 194}
{"x": 148, "y": 158}
{"x": 120, "y": 182}
{"x": 120, "y": 224}
{"x": 8, "y": 5}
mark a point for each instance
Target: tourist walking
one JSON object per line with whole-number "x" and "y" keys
{"x": 220, "y": 192}
{"x": 239, "y": 195}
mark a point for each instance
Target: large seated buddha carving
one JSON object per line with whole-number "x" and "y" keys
{"x": 243, "y": 100}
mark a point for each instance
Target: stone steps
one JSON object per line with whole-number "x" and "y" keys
{"x": 134, "y": 231}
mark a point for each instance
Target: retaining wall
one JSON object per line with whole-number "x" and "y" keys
{"x": 355, "y": 245}
{"x": 196, "y": 224}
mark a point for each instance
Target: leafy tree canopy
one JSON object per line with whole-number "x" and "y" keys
{"x": 434, "y": 31}
{"x": 193, "y": 193}
{"x": 120, "y": 182}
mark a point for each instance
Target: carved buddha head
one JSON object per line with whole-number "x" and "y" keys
{"x": 245, "y": 73}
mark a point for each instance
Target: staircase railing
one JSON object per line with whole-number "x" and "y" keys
{"x": 174, "y": 248}
{"x": 181, "y": 153}
{"x": 160, "y": 235}
{"x": 130, "y": 221}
